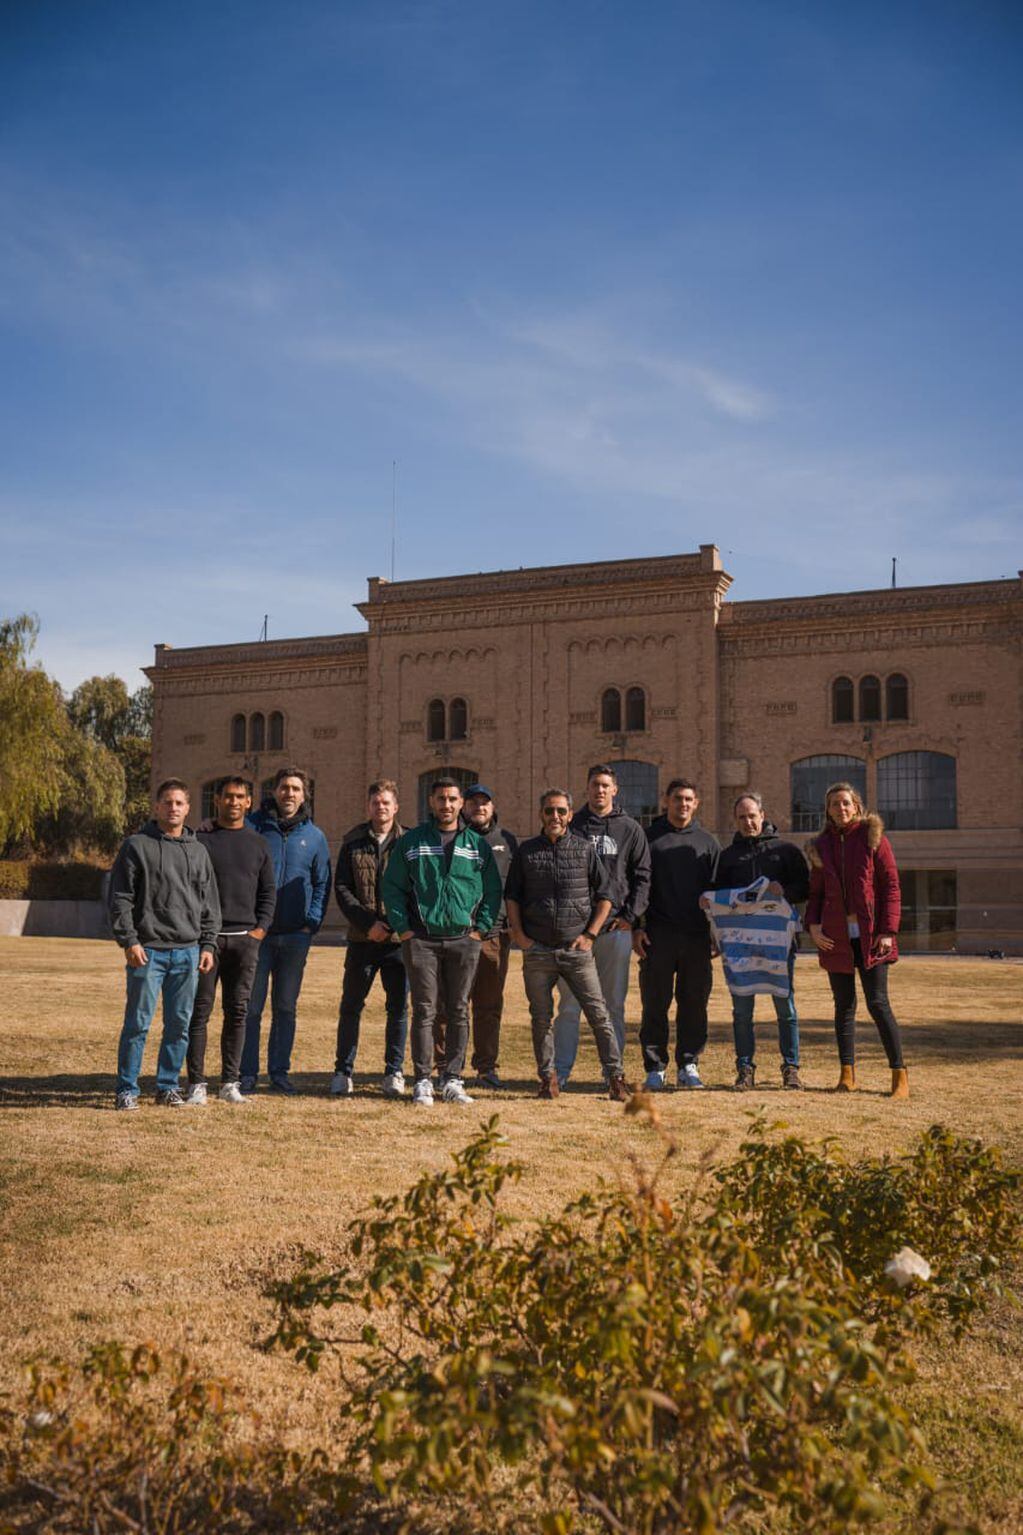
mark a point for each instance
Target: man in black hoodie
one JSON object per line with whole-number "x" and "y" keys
{"x": 165, "y": 914}
{"x": 675, "y": 944}
{"x": 622, "y": 847}
{"x": 756, "y": 851}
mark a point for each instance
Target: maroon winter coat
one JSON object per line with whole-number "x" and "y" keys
{"x": 854, "y": 873}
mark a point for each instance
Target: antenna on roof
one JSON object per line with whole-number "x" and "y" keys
{"x": 394, "y": 512}
{"x": 264, "y": 633}
{"x": 893, "y": 572}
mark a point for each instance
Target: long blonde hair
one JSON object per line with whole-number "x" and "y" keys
{"x": 850, "y": 789}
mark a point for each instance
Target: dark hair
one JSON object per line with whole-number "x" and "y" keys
{"x": 446, "y": 783}
{"x": 292, "y": 772}
{"x": 230, "y": 779}
{"x": 383, "y": 786}
{"x": 601, "y": 767}
{"x": 174, "y": 783}
{"x": 681, "y": 783}
{"x": 552, "y": 793}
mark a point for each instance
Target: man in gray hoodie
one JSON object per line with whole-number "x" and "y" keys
{"x": 165, "y": 914}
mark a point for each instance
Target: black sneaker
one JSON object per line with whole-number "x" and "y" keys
{"x": 169, "y": 1098}
{"x": 282, "y": 1083}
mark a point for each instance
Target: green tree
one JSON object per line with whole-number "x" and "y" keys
{"x": 103, "y": 710}
{"x": 31, "y": 721}
{"x": 90, "y": 814}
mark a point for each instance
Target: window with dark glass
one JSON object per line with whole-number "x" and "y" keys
{"x": 458, "y": 720}
{"x": 257, "y": 733}
{"x": 842, "y": 701}
{"x": 637, "y": 789}
{"x": 275, "y": 731}
{"x": 896, "y": 690}
{"x": 635, "y": 709}
{"x": 916, "y": 791}
{"x": 238, "y": 733}
{"x": 209, "y": 791}
{"x": 929, "y": 908}
{"x": 436, "y": 720}
{"x": 810, "y": 779}
{"x": 611, "y": 711}
{"x": 870, "y": 700}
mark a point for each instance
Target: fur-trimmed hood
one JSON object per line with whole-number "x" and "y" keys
{"x": 874, "y": 828}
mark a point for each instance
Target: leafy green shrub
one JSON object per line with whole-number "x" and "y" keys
{"x": 23, "y": 881}
{"x": 642, "y": 1364}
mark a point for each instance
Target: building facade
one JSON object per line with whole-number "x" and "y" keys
{"x": 525, "y": 678}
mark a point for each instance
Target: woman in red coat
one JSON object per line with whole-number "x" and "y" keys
{"x": 853, "y": 917}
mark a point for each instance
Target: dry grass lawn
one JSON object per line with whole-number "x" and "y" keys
{"x": 165, "y": 1225}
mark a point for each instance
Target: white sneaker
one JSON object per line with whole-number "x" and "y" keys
{"x": 341, "y": 1085}
{"x": 688, "y": 1076}
{"x": 654, "y": 1082}
{"x": 231, "y": 1093}
{"x": 394, "y": 1085}
{"x": 422, "y": 1094}
{"x": 454, "y": 1091}
{"x": 196, "y": 1097}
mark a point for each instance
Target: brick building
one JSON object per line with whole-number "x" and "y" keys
{"x": 523, "y": 678}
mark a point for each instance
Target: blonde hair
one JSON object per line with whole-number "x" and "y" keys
{"x": 847, "y": 788}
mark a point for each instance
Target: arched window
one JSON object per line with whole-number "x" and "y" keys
{"x": 238, "y": 733}
{"x": 810, "y": 778}
{"x": 896, "y": 697}
{"x": 842, "y": 701}
{"x": 436, "y": 720}
{"x": 464, "y": 778}
{"x": 916, "y": 791}
{"x": 637, "y": 789}
{"x": 611, "y": 711}
{"x": 458, "y": 720}
{"x": 275, "y": 731}
{"x": 635, "y": 709}
{"x": 257, "y": 733}
{"x": 870, "y": 700}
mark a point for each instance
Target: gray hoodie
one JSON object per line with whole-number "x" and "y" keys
{"x": 163, "y": 892}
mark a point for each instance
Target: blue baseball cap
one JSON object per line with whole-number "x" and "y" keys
{"x": 478, "y": 791}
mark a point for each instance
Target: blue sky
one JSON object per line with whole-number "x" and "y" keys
{"x": 605, "y": 280}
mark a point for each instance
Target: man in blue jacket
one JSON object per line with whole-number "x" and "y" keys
{"x": 301, "y": 862}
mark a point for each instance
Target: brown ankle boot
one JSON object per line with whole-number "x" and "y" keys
{"x": 847, "y": 1080}
{"x": 900, "y": 1082}
{"x": 620, "y": 1091}
{"x": 549, "y": 1086}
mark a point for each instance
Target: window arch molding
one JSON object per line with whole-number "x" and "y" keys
{"x": 448, "y": 719}
{"x": 842, "y": 695}
{"x": 897, "y": 697}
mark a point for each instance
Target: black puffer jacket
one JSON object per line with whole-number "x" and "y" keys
{"x": 747, "y": 858}
{"x": 556, "y": 885}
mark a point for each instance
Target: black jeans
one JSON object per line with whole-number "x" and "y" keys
{"x": 875, "y": 993}
{"x": 234, "y": 963}
{"x": 676, "y": 964}
{"x": 363, "y": 962}
{"x": 439, "y": 967}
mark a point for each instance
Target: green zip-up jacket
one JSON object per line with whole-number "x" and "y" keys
{"x": 433, "y": 896}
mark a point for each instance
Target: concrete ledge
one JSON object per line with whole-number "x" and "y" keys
{"x": 53, "y": 919}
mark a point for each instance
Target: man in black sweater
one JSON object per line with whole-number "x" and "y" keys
{"x": 675, "y": 945}
{"x": 245, "y": 882}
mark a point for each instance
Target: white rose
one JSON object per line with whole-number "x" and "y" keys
{"x": 907, "y": 1266}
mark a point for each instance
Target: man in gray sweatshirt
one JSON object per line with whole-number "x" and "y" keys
{"x": 165, "y": 914}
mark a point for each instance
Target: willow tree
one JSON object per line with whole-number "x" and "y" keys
{"x": 32, "y": 724}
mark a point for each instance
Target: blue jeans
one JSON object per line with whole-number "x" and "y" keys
{"x": 174, "y": 975}
{"x": 280, "y": 966}
{"x": 612, "y": 953}
{"x": 788, "y": 1024}
{"x": 363, "y": 962}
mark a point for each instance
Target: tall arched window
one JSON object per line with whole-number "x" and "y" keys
{"x": 611, "y": 711}
{"x": 458, "y": 720}
{"x": 436, "y": 720}
{"x": 637, "y": 789}
{"x": 257, "y": 733}
{"x": 238, "y": 733}
{"x": 916, "y": 791}
{"x": 870, "y": 700}
{"x": 275, "y": 731}
{"x": 810, "y": 778}
{"x": 896, "y": 697}
{"x": 635, "y": 709}
{"x": 464, "y": 778}
{"x": 842, "y": 701}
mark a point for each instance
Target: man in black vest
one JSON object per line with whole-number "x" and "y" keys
{"x": 558, "y": 898}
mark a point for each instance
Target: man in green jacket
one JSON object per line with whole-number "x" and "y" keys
{"x": 442, "y": 894}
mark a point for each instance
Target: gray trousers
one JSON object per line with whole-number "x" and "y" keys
{"x": 541, "y": 969}
{"x": 436, "y": 968}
